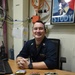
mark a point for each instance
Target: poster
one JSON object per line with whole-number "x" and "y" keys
{"x": 62, "y": 11}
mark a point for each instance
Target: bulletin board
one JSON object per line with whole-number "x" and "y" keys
{"x": 62, "y": 12}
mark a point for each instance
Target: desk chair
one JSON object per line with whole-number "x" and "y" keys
{"x": 60, "y": 60}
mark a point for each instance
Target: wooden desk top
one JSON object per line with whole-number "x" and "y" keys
{"x": 14, "y": 68}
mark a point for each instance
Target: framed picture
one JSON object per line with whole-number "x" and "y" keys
{"x": 62, "y": 12}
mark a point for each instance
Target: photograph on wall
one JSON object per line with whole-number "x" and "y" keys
{"x": 62, "y": 11}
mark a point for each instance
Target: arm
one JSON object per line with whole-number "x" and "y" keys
{"x": 51, "y": 55}
{"x": 24, "y": 52}
{"x": 23, "y": 63}
{"x": 39, "y": 65}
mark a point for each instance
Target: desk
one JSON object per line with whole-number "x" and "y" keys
{"x": 14, "y": 68}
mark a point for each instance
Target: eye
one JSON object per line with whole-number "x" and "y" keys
{"x": 34, "y": 28}
{"x": 41, "y": 28}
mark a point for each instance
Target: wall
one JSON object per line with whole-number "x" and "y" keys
{"x": 10, "y": 24}
{"x": 1, "y": 36}
{"x": 20, "y": 13}
{"x": 17, "y": 10}
{"x": 67, "y": 36}
{"x": 9, "y": 27}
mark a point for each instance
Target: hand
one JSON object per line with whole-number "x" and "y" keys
{"x": 22, "y": 62}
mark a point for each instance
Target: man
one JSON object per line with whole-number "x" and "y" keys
{"x": 63, "y": 5}
{"x": 40, "y": 50}
{"x": 66, "y": 7}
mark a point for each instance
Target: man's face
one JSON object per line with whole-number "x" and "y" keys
{"x": 38, "y": 30}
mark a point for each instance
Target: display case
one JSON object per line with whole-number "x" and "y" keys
{"x": 62, "y": 12}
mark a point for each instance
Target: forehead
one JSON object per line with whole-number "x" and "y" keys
{"x": 37, "y": 24}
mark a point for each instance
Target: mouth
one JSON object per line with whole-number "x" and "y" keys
{"x": 38, "y": 34}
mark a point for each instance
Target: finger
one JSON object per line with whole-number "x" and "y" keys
{"x": 21, "y": 65}
{"x": 18, "y": 63}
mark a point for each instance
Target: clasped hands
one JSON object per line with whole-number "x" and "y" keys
{"x": 22, "y": 62}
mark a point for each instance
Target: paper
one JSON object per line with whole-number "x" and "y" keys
{"x": 17, "y": 32}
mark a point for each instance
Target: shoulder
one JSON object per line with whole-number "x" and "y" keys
{"x": 49, "y": 42}
{"x": 29, "y": 42}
